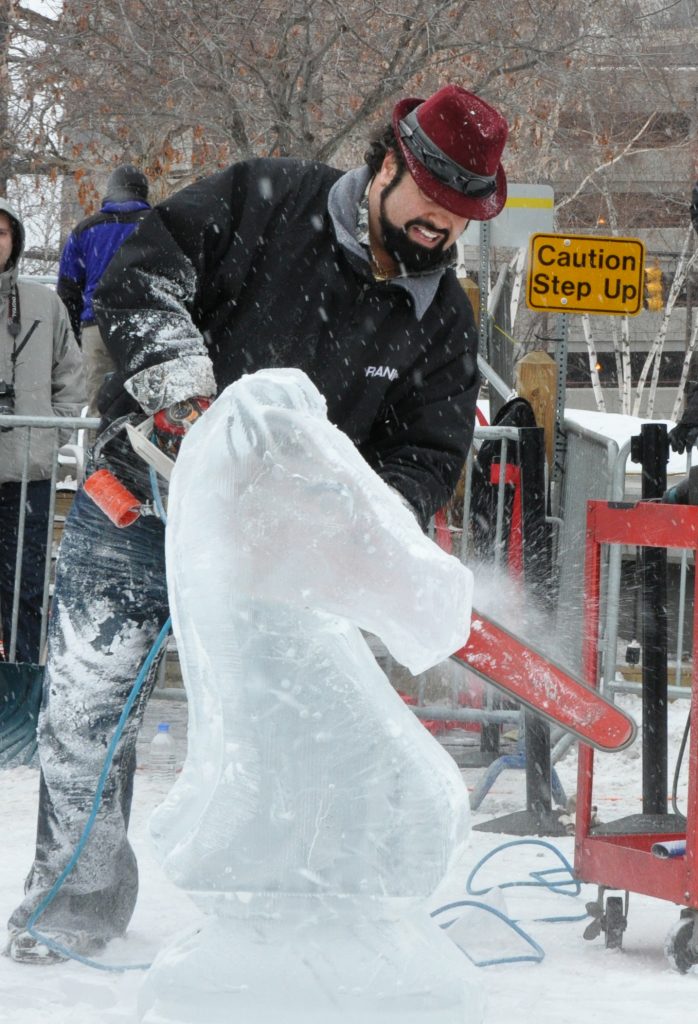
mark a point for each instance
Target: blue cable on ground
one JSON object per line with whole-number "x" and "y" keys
{"x": 566, "y": 886}
{"x": 535, "y": 957}
{"x": 137, "y": 686}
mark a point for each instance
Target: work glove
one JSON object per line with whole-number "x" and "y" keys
{"x": 683, "y": 436}
{"x": 113, "y": 402}
{"x": 171, "y": 424}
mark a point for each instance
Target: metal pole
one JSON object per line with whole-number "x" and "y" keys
{"x": 536, "y": 566}
{"x": 467, "y": 499}
{"x": 560, "y": 445}
{"x": 683, "y": 579}
{"x": 495, "y": 381}
{"x": 617, "y": 459}
{"x": 681, "y": 615}
{"x": 484, "y": 283}
{"x": 438, "y": 713}
{"x": 19, "y": 557}
{"x": 49, "y": 550}
{"x": 654, "y": 449}
{"x": 489, "y": 733}
{"x": 499, "y": 528}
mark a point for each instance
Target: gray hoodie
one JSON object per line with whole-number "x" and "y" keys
{"x": 43, "y": 364}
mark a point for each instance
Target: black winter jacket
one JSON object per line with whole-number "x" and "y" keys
{"x": 243, "y": 271}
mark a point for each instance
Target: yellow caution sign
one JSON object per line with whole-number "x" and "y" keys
{"x": 585, "y": 274}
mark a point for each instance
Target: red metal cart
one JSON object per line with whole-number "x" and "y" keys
{"x": 617, "y": 855}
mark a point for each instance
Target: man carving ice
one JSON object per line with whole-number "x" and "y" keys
{"x": 271, "y": 263}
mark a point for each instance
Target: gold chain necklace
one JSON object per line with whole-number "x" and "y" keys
{"x": 379, "y": 272}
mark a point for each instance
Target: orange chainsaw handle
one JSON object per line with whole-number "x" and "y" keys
{"x": 118, "y": 504}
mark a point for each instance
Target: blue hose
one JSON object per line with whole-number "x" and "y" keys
{"x": 157, "y": 497}
{"x": 566, "y": 886}
{"x": 535, "y": 957}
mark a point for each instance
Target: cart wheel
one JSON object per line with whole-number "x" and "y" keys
{"x": 615, "y": 922}
{"x": 679, "y": 948}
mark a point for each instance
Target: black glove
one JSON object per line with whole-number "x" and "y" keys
{"x": 113, "y": 401}
{"x": 683, "y": 436}
{"x": 694, "y": 206}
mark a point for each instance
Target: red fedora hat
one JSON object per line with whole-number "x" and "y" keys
{"x": 452, "y": 144}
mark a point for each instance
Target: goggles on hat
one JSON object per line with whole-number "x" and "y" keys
{"x": 478, "y": 186}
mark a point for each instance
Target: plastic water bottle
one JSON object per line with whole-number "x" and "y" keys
{"x": 163, "y": 754}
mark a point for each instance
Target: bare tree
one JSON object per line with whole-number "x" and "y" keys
{"x": 685, "y": 262}
{"x": 5, "y": 90}
{"x": 185, "y": 86}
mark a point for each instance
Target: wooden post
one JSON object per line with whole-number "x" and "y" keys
{"x": 536, "y": 382}
{"x": 472, "y": 290}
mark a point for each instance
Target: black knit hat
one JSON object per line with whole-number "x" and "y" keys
{"x": 125, "y": 183}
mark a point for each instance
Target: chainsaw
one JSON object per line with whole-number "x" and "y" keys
{"x": 492, "y": 653}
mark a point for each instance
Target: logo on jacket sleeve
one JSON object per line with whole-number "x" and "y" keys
{"x": 381, "y": 371}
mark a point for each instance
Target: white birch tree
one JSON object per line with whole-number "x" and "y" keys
{"x": 684, "y": 265}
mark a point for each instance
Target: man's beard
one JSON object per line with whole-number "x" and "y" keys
{"x": 410, "y": 256}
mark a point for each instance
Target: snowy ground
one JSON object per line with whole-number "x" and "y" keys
{"x": 577, "y": 982}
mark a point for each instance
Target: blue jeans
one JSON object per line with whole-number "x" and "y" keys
{"x": 109, "y": 605}
{"x": 33, "y": 561}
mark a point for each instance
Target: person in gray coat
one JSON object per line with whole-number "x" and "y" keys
{"x": 40, "y": 375}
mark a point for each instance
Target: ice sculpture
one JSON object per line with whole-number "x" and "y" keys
{"x": 314, "y": 814}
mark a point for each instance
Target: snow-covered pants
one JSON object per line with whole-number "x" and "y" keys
{"x": 109, "y": 605}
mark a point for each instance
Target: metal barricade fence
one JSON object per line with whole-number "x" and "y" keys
{"x": 450, "y": 679}
{"x": 590, "y": 472}
{"x": 65, "y": 457}
{"x": 595, "y": 468}
{"x": 67, "y": 470}
{"x": 505, "y": 436}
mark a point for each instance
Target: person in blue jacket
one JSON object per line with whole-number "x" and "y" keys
{"x": 86, "y": 254}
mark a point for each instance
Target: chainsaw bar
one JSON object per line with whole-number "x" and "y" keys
{"x": 500, "y": 658}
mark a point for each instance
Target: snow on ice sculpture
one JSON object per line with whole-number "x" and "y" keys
{"x": 315, "y": 814}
